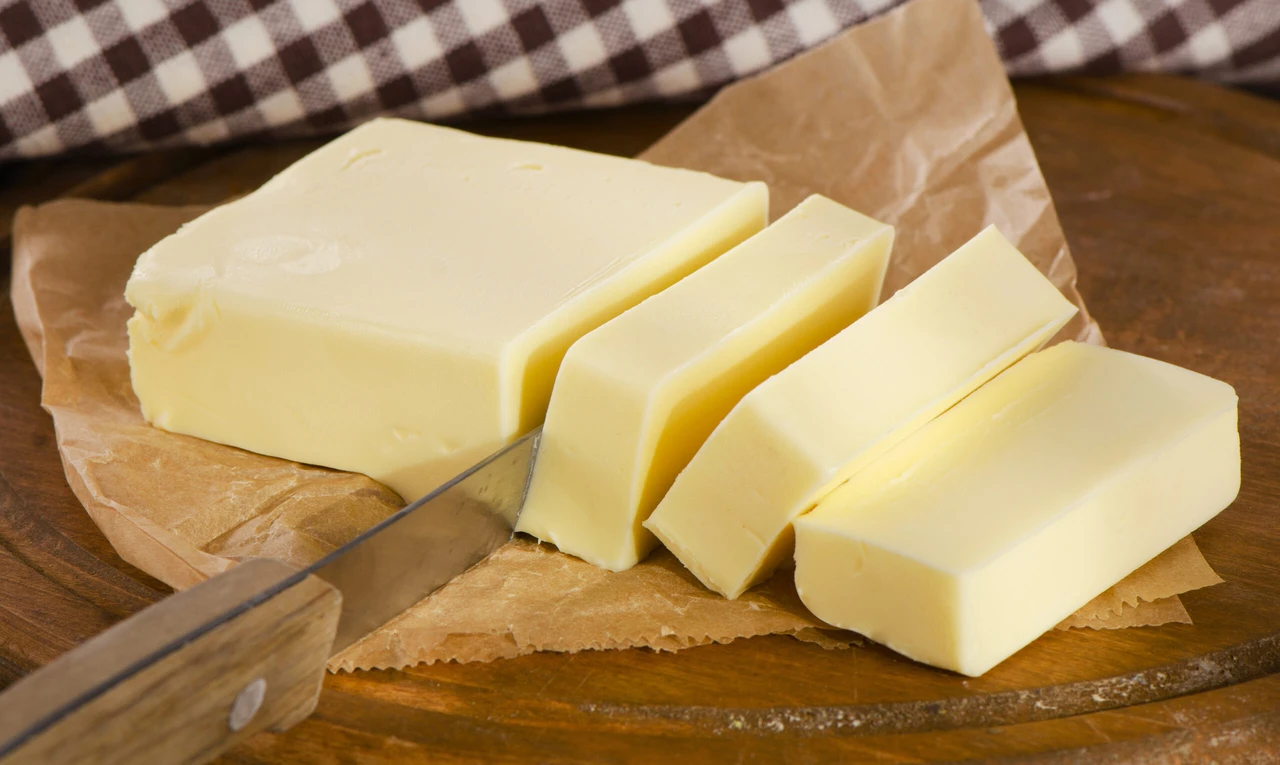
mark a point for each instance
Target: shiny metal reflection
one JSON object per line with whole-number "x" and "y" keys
{"x": 408, "y": 556}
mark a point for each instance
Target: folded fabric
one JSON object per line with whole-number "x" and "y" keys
{"x": 123, "y": 75}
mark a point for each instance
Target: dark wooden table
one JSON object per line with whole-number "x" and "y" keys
{"x": 1169, "y": 191}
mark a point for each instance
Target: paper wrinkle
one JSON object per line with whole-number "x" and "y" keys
{"x": 549, "y": 601}
{"x": 930, "y": 142}
{"x": 1150, "y": 614}
{"x": 1151, "y": 590}
{"x": 908, "y": 118}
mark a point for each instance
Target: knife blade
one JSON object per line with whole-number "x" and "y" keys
{"x": 254, "y": 641}
{"x": 411, "y": 554}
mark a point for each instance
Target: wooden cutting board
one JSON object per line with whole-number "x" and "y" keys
{"x": 1169, "y": 192}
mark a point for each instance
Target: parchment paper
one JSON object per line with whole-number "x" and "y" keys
{"x": 908, "y": 118}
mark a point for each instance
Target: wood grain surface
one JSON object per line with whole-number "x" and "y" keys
{"x": 203, "y": 674}
{"x": 1169, "y": 192}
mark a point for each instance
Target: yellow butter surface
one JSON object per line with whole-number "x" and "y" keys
{"x": 812, "y": 426}
{"x": 397, "y": 302}
{"x": 1004, "y": 515}
{"x": 636, "y": 397}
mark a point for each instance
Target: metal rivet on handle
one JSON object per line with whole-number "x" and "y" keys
{"x": 247, "y": 704}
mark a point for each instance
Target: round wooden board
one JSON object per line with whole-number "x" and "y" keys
{"x": 1169, "y": 191}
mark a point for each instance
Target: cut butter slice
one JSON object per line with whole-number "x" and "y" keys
{"x": 636, "y": 397}
{"x": 804, "y": 431}
{"x": 1006, "y": 514}
{"x": 397, "y": 302}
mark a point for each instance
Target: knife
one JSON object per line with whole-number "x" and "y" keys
{"x": 196, "y": 673}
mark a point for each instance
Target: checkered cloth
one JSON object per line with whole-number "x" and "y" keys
{"x": 122, "y": 75}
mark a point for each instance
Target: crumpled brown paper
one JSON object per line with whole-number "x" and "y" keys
{"x": 1149, "y": 596}
{"x": 908, "y": 118}
{"x": 550, "y": 601}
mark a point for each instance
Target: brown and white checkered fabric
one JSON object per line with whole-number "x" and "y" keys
{"x": 116, "y": 75}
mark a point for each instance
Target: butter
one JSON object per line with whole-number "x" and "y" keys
{"x": 1006, "y": 514}
{"x": 397, "y": 302}
{"x": 637, "y": 396}
{"x": 803, "y": 432}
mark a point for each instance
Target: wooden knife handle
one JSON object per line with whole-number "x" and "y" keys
{"x": 183, "y": 680}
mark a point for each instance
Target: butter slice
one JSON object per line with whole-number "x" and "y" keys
{"x": 1006, "y": 514}
{"x": 636, "y": 397}
{"x": 397, "y": 302}
{"x": 809, "y": 428}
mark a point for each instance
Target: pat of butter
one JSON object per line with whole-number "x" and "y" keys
{"x": 809, "y": 428}
{"x": 1006, "y": 514}
{"x": 397, "y": 302}
{"x": 636, "y": 397}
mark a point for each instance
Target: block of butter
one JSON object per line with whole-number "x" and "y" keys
{"x": 397, "y": 302}
{"x": 1006, "y": 514}
{"x": 636, "y": 397}
{"x": 809, "y": 428}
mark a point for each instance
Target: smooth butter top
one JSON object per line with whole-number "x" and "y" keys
{"x": 997, "y": 307}
{"x": 426, "y": 230}
{"x": 1023, "y": 449}
{"x": 724, "y": 300}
